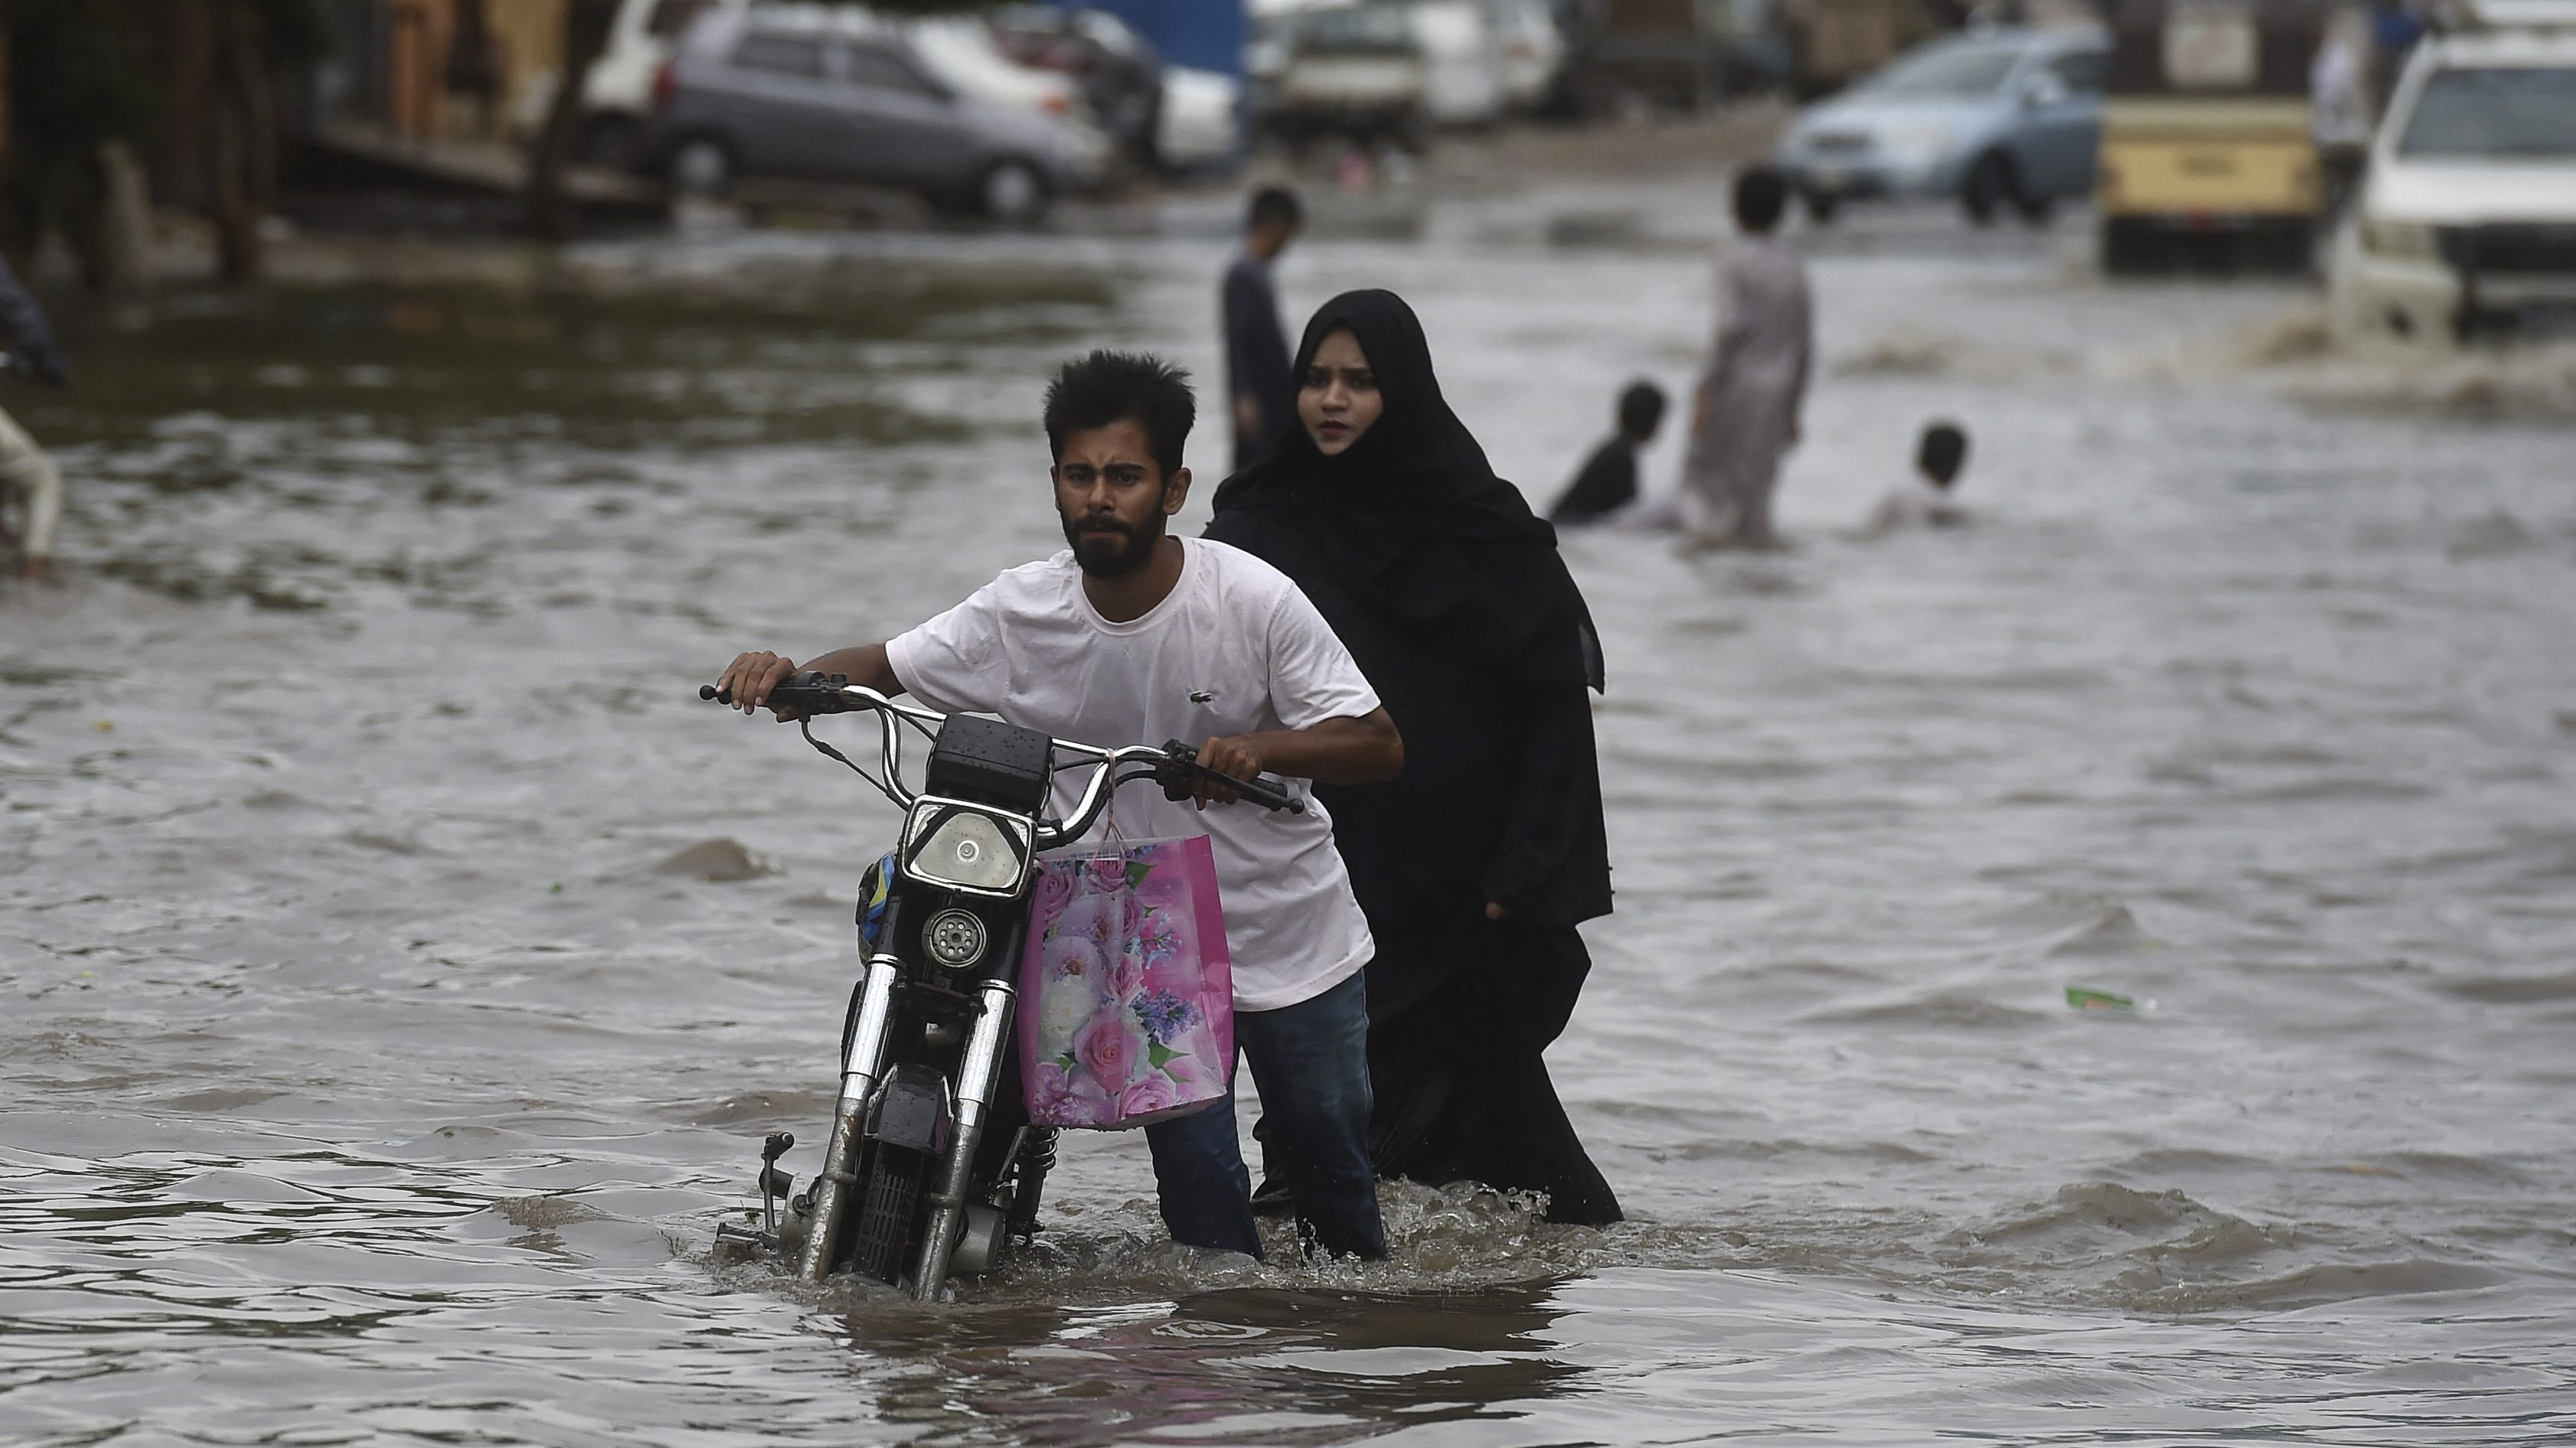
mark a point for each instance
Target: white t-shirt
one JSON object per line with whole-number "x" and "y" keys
{"x": 1233, "y": 649}
{"x": 1914, "y": 503}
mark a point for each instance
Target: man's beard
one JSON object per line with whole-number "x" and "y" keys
{"x": 1112, "y": 554}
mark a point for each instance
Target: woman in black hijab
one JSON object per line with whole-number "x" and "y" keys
{"x": 1476, "y": 864}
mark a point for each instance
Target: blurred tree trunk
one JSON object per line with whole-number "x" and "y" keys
{"x": 112, "y": 222}
{"x": 105, "y": 95}
{"x": 586, "y": 27}
{"x": 241, "y": 140}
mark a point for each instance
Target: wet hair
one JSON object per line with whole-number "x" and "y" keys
{"x": 1943, "y": 449}
{"x": 1274, "y": 206}
{"x": 1641, "y": 409}
{"x": 1761, "y": 194}
{"x": 1108, "y": 387}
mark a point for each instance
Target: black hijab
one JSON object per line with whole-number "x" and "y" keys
{"x": 1410, "y": 520}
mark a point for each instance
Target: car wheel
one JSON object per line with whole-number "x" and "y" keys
{"x": 2035, "y": 210}
{"x": 1011, "y": 192}
{"x": 700, "y": 166}
{"x": 1989, "y": 185}
{"x": 1821, "y": 206}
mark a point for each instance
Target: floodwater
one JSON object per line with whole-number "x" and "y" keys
{"x": 401, "y": 967}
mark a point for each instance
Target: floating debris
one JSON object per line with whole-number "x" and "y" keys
{"x": 719, "y": 859}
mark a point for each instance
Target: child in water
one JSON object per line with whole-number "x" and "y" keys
{"x": 1926, "y": 499}
{"x": 1609, "y": 481}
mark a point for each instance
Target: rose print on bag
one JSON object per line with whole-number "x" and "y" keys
{"x": 1108, "y": 1050}
{"x": 1126, "y": 987}
{"x": 1152, "y": 1093}
{"x": 1053, "y": 892}
{"x": 1062, "y": 1011}
{"x": 1075, "y": 955}
{"x": 1050, "y": 1089}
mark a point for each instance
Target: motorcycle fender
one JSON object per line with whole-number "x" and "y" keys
{"x": 912, "y": 1109}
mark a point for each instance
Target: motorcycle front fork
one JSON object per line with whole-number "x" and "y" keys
{"x": 835, "y": 1186}
{"x": 977, "y": 1075}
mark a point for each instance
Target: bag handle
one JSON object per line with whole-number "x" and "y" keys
{"x": 1111, "y": 836}
{"x": 1113, "y": 841}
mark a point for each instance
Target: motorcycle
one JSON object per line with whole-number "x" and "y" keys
{"x": 932, "y": 1167}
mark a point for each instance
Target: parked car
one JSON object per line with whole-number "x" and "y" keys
{"x": 826, "y": 94}
{"x": 1532, "y": 51}
{"x": 2008, "y": 117}
{"x": 1357, "y": 70}
{"x": 617, "y": 94}
{"x": 1463, "y": 61}
{"x": 2466, "y": 222}
{"x": 1679, "y": 54}
{"x": 1118, "y": 71}
{"x": 1200, "y": 123}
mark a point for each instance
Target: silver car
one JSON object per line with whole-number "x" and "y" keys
{"x": 830, "y": 95}
{"x": 1995, "y": 119}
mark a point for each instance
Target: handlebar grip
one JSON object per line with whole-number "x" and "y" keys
{"x": 1260, "y": 792}
{"x": 1265, "y": 794}
{"x": 809, "y": 692}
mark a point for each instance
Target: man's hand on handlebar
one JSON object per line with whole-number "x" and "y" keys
{"x": 747, "y": 681}
{"x": 1238, "y": 756}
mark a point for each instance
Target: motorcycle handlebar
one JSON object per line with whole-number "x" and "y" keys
{"x": 1258, "y": 791}
{"x": 805, "y": 696}
{"x": 1175, "y": 764}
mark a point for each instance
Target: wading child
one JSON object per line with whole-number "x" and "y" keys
{"x": 1609, "y": 481}
{"x": 1927, "y": 500}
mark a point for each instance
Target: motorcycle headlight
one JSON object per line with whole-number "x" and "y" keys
{"x": 964, "y": 848}
{"x": 2398, "y": 238}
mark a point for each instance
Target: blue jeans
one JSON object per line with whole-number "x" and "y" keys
{"x": 1310, "y": 1061}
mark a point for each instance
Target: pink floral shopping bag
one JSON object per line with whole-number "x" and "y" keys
{"x": 1126, "y": 987}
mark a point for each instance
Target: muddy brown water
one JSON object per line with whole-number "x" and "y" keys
{"x": 401, "y": 967}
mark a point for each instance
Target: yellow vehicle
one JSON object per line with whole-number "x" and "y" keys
{"x": 2207, "y": 147}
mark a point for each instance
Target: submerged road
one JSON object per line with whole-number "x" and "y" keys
{"x": 401, "y": 967}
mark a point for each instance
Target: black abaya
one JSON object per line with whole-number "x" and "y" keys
{"x": 1453, "y": 599}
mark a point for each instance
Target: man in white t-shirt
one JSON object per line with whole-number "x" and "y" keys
{"x": 1133, "y": 636}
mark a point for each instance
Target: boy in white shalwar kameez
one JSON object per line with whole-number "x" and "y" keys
{"x": 1746, "y": 417}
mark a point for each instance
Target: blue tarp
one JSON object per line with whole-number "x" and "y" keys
{"x": 1201, "y": 34}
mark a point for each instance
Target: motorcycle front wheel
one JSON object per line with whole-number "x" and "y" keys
{"x": 886, "y": 1210}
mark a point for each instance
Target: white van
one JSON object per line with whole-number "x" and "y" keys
{"x": 2466, "y": 222}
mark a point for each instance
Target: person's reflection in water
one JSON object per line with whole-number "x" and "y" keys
{"x": 1236, "y": 1366}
